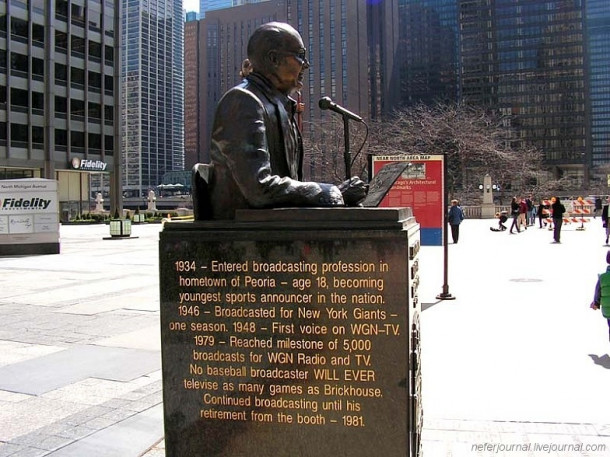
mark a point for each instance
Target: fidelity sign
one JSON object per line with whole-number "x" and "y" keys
{"x": 88, "y": 165}
{"x": 23, "y": 203}
{"x": 28, "y": 196}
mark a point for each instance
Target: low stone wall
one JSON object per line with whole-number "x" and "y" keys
{"x": 474, "y": 212}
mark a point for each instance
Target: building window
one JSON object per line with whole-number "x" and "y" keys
{"x": 95, "y": 51}
{"x": 95, "y": 111}
{"x": 61, "y": 8}
{"x": 3, "y": 25}
{"x": 61, "y": 140}
{"x": 78, "y": 46}
{"x": 2, "y": 134}
{"x": 61, "y": 41}
{"x": 37, "y": 137}
{"x": 77, "y": 77}
{"x": 37, "y": 69}
{"x": 19, "y": 100}
{"x": 61, "y": 107}
{"x": 95, "y": 81}
{"x": 108, "y": 145}
{"x": 108, "y": 114}
{"x": 38, "y": 35}
{"x": 77, "y": 141}
{"x": 95, "y": 142}
{"x": 109, "y": 54}
{"x": 38, "y": 103}
{"x": 19, "y": 135}
{"x": 77, "y": 14}
{"x": 61, "y": 74}
{"x": 108, "y": 84}
{"x": 19, "y": 65}
{"x": 77, "y": 109}
{"x": 19, "y": 29}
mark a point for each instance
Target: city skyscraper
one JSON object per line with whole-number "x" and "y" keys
{"x": 598, "y": 45}
{"x": 526, "y": 59}
{"x": 59, "y": 97}
{"x": 211, "y": 5}
{"x": 429, "y": 46}
{"x": 153, "y": 92}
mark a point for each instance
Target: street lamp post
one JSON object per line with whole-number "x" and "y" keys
{"x": 445, "y": 295}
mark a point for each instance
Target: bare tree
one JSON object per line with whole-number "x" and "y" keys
{"x": 475, "y": 142}
{"x": 325, "y": 146}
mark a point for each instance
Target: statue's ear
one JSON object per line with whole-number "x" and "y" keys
{"x": 273, "y": 57}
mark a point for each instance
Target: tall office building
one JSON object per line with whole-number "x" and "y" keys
{"x": 598, "y": 45}
{"x": 211, "y": 5}
{"x": 59, "y": 97}
{"x": 381, "y": 19}
{"x": 153, "y": 92}
{"x": 429, "y": 47}
{"x": 526, "y": 58}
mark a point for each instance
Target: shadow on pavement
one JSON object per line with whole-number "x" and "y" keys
{"x": 603, "y": 361}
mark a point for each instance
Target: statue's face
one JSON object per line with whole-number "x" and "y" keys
{"x": 291, "y": 65}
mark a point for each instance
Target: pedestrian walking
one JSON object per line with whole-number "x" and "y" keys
{"x": 558, "y": 210}
{"x": 542, "y": 213}
{"x": 531, "y": 210}
{"x": 605, "y": 221}
{"x": 598, "y": 206}
{"x": 523, "y": 213}
{"x": 601, "y": 297}
{"x": 455, "y": 218}
{"x": 514, "y": 212}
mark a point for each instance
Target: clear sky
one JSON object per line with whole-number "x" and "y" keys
{"x": 191, "y": 5}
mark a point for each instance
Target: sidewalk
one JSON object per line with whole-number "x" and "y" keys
{"x": 80, "y": 347}
{"x": 517, "y": 358}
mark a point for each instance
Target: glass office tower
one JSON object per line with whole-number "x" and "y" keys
{"x": 527, "y": 59}
{"x": 153, "y": 92}
{"x": 429, "y": 44}
{"x": 598, "y": 41}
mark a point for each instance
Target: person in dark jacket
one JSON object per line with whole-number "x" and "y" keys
{"x": 558, "y": 210}
{"x": 542, "y": 213}
{"x": 601, "y": 297}
{"x": 455, "y": 218}
{"x": 514, "y": 212}
{"x": 256, "y": 147}
{"x": 605, "y": 221}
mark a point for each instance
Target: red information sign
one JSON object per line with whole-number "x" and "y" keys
{"x": 420, "y": 187}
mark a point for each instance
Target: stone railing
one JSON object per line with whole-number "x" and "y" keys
{"x": 474, "y": 212}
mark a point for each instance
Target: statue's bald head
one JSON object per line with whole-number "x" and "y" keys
{"x": 267, "y": 39}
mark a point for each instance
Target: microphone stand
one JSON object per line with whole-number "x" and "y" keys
{"x": 346, "y": 154}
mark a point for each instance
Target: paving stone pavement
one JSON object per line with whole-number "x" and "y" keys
{"x": 80, "y": 347}
{"x": 516, "y": 365}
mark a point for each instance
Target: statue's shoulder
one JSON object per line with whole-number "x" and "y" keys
{"x": 242, "y": 101}
{"x": 242, "y": 93}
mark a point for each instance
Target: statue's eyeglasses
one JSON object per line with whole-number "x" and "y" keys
{"x": 300, "y": 55}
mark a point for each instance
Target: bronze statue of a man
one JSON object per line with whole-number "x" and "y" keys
{"x": 256, "y": 148}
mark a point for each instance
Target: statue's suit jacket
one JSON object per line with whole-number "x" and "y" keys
{"x": 257, "y": 153}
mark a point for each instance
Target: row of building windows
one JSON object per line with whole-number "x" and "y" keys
{"x": 78, "y": 48}
{"x": 22, "y": 133}
{"x": 80, "y": 15}
{"x": 77, "y": 79}
{"x": 21, "y": 100}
